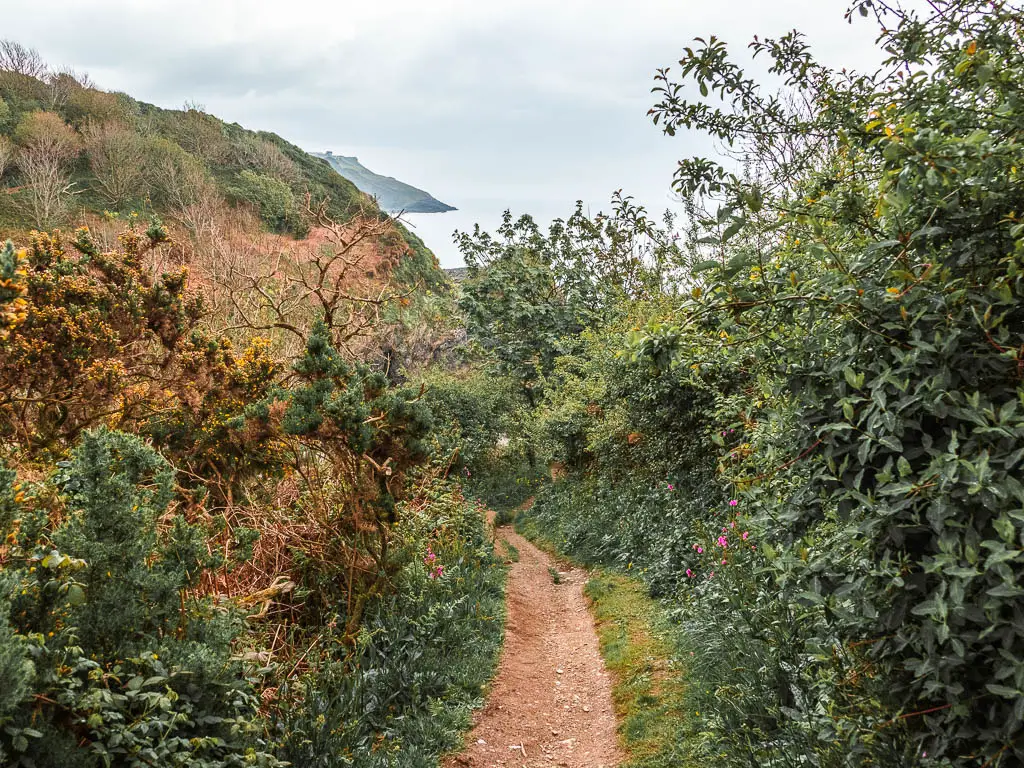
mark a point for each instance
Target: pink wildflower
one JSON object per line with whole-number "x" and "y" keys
{"x": 723, "y": 542}
{"x": 700, "y": 550}
{"x": 723, "y": 562}
{"x": 745, "y": 535}
{"x": 733, "y": 502}
{"x": 689, "y": 573}
{"x": 671, "y": 487}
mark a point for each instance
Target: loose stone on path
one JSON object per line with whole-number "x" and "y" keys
{"x": 549, "y": 637}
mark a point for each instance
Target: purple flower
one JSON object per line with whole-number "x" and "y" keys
{"x": 733, "y": 502}
{"x": 700, "y": 550}
{"x": 689, "y": 573}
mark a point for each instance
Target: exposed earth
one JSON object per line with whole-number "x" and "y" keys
{"x": 551, "y": 702}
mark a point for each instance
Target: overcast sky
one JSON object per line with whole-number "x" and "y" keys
{"x": 487, "y": 105}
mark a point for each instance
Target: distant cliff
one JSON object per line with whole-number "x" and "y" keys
{"x": 392, "y": 195}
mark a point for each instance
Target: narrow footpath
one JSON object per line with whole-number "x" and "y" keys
{"x": 551, "y": 702}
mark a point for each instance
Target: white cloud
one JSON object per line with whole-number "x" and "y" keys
{"x": 528, "y": 103}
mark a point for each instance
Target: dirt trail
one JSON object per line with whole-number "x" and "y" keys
{"x": 551, "y": 703}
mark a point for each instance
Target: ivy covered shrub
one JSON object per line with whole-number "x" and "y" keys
{"x": 110, "y": 661}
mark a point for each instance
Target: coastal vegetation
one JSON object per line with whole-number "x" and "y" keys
{"x": 250, "y": 436}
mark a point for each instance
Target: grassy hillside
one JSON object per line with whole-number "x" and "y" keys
{"x": 68, "y": 150}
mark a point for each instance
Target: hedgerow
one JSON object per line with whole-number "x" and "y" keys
{"x": 810, "y": 441}
{"x": 202, "y": 543}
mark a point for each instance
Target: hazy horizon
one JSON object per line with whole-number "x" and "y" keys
{"x": 486, "y": 107}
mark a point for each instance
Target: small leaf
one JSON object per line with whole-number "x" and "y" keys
{"x": 704, "y": 266}
{"x": 1002, "y": 690}
{"x": 76, "y": 595}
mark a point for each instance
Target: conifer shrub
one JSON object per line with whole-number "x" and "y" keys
{"x": 112, "y": 661}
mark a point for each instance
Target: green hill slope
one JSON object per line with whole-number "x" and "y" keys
{"x": 68, "y": 148}
{"x": 390, "y": 193}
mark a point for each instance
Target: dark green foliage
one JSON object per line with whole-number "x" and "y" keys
{"x": 274, "y": 200}
{"x": 474, "y": 413}
{"x": 110, "y": 662}
{"x": 892, "y": 311}
{"x": 16, "y": 669}
{"x": 116, "y": 488}
{"x": 528, "y": 295}
{"x": 353, "y": 407}
{"x": 480, "y": 435}
{"x": 513, "y": 304}
{"x": 844, "y": 359}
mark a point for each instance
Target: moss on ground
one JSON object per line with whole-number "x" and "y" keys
{"x": 648, "y": 680}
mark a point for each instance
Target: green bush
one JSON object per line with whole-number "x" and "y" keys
{"x": 273, "y": 199}
{"x": 110, "y": 662}
{"x": 880, "y": 333}
{"x": 843, "y": 361}
{"x": 423, "y": 654}
{"x": 481, "y": 433}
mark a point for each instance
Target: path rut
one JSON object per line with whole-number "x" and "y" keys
{"x": 551, "y": 702}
